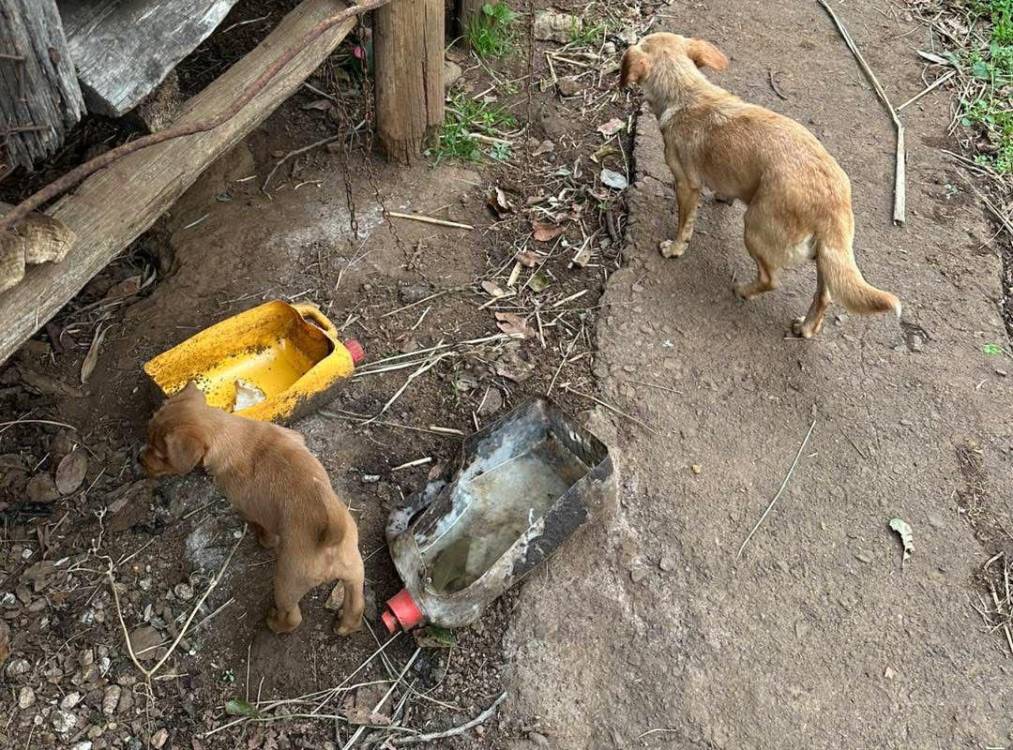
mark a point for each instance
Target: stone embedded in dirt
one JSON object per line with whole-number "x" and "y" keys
{"x": 70, "y": 700}
{"x": 18, "y": 667}
{"x": 82, "y": 745}
{"x": 552, "y": 26}
{"x": 71, "y": 472}
{"x": 42, "y": 489}
{"x": 145, "y": 641}
{"x": 492, "y": 402}
{"x": 451, "y": 73}
{"x": 415, "y": 292}
{"x": 569, "y": 86}
{"x": 337, "y": 598}
{"x": 159, "y": 738}
{"x": 63, "y": 721}
{"x": 26, "y": 697}
{"x": 111, "y": 699}
{"x": 183, "y": 591}
{"x": 667, "y": 564}
{"x": 539, "y": 739}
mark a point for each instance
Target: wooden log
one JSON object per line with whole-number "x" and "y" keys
{"x": 408, "y": 40}
{"x": 113, "y": 207}
{"x": 40, "y": 100}
{"x": 123, "y": 50}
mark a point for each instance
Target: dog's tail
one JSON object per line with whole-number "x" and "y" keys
{"x": 837, "y": 264}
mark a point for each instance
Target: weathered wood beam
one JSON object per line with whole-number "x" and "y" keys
{"x": 123, "y": 50}
{"x": 113, "y": 207}
{"x": 40, "y": 100}
{"x": 408, "y": 41}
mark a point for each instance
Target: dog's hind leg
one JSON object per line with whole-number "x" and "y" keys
{"x": 766, "y": 274}
{"x": 811, "y": 324}
{"x": 350, "y": 571}
{"x": 291, "y": 582}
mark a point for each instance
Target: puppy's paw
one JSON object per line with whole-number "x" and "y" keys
{"x": 743, "y": 291}
{"x": 347, "y": 628}
{"x": 801, "y": 330}
{"x": 672, "y": 249}
{"x": 280, "y": 623}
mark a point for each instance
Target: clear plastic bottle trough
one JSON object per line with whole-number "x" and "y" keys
{"x": 525, "y": 484}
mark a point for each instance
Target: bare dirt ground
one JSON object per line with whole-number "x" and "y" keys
{"x": 644, "y": 631}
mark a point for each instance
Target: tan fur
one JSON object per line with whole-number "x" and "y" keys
{"x": 278, "y": 487}
{"x": 799, "y": 198}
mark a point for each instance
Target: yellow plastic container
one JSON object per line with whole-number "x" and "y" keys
{"x": 289, "y": 356}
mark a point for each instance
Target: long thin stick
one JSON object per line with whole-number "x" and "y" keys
{"x": 780, "y": 489}
{"x": 899, "y": 178}
{"x": 456, "y": 730}
{"x": 430, "y": 220}
{"x": 931, "y": 87}
{"x": 76, "y": 175}
{"x": 358, "y": 733}
{"x": 292, "y": 154}
{"x": 611, "y": 408}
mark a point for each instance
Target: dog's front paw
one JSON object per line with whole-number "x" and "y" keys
{"x": 283, "y": 622}
{"x": 347, "y": 628}
{"x": 801, "y": 330}
{"x": 743, "y": 291}
{"x": 672, "y": 249}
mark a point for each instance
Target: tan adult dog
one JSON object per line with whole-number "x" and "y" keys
{"x": 799, "y": 198}
{"x": 278, "y": 486}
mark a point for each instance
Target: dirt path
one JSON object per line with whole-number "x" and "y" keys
{"x": 648, "y": 633}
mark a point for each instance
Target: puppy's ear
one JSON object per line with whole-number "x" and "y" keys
{"x": 184, "y": 449}
{"x": 192, "y": 391}
{"x": 635, "y": 68}
{"x": 705, "y": 54}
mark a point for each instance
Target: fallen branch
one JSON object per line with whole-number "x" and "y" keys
{"x": 482, "y": 717}
{"x": 79, "y": 173}
{"x": 429, "y": 220}
{"x": 780, "y": 489}
{"x": 899, "y": 191}
{"x": 291, "y": 154}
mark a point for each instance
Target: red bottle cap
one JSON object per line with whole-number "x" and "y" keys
{"x": 402, "y": 611}
{"x": 355, "y": 349}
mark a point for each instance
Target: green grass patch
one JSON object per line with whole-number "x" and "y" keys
{"x": 587, "y": 35}
{"x": 465, "y": 118}
{"x": 491, "y": 33}
{"x": 991, "y": 110}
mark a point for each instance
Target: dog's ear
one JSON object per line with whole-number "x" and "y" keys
{"x": 705, "y": 54}
{"x": 192, "y": 391}
{"x": 184, "y": 449}
{"x": 635, "y": 68}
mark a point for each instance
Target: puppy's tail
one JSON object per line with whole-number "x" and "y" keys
{"x": 837, "y": 264}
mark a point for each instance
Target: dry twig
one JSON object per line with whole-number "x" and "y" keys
{"x": 482, "y": 717}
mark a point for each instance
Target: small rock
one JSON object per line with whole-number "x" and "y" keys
{"x": 889, "y": 673}
{"x": 70, "y": 700}
{"x": 863, "y": 556}
{"x": 411, "y": 293}
{"x": 158, "y": 739}
{"x": 916, "y": 344}
{"x": 370, "y": 478}
{"x": 26, "y": 698}
{"x": 1000, "y": 372}
{"x": 492, "y": 402}
{"x": 63, "y": 721}
{"x": 42, "y": 489}
{"x": 667, "y": 564}
{"x": 539, "y": 739}
{"x": 551, "y": 26}
{"x": 111, "y": 699}
{"x": 145, "y": 641}
{"x": 183, "y": 591}
{"x": 638, "y": 574}
{"x": 569, "y": 86}
{"x": 451, "y": 73}
{"x": 82, "y": 745}
{"x": 18, "y": 667}
{"x": 696, "y": 468}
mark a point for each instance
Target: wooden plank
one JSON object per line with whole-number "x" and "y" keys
{"x": 39, "y": 96}
{"x": 113, "y": 207}
{"x": 408, "y": 42}
{"x": 124, "y": 48}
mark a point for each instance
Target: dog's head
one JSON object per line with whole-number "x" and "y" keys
{"x": 177, "y": 435}
{"x": 641, "y": 59}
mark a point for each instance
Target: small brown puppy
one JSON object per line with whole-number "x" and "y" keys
{"x": 799, "y": 198}
{"x": 278, "y": 487}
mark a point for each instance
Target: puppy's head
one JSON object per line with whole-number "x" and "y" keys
{"x": 177, "y": 435}
{"x": 641, "y": 59}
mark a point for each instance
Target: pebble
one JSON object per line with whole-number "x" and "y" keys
{"x": 26, "y": 698}
{"x": 638, "y": 574}
{"x": 863, "y": 556}
{"x": 18, "y": 667}
{"x": 159, "y": 738}
{"x": 889, "y": 673}
{"x": 183, "y": 591}
{"x": 539, "y": 739}
{"x": 667, "y": 564}
{"x": 70, "y": 700}
{"x": 82, "y": 745}
{"x": 63, "y": 721}
{"x": 111, "y": 699}
{"x": 696, "y": 468}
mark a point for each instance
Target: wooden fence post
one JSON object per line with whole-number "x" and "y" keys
{"x": 470, "y": 12}
{"x": 408, "y": 40}
{"x": 40, "y": 100}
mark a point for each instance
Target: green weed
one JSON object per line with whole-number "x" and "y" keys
{"x": 465, "y": 117}
{"x": 491, "y": 34}
{"x": 586, "y": 35}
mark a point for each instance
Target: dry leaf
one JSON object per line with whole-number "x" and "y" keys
{"x": 498, "y": 202}
{"x": 91, "y": 358}
{"x": 145, "y": 642}
{"x": 545, "y": 232}
{"x": 527, "y": 258}
{"x": 492, "y": 289}
{"x": 545, "y": 147}
{"x": 538, "y": 281}
{"x": 611, "y": 127}
{"x": 513, "y": 325}
{"x": 321, "y": 105}
{"x": 903, "y": 528}
{"x": 126, "y": 288}
{"x": 247, "y": 395}
{"x": 70, "y": 473}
